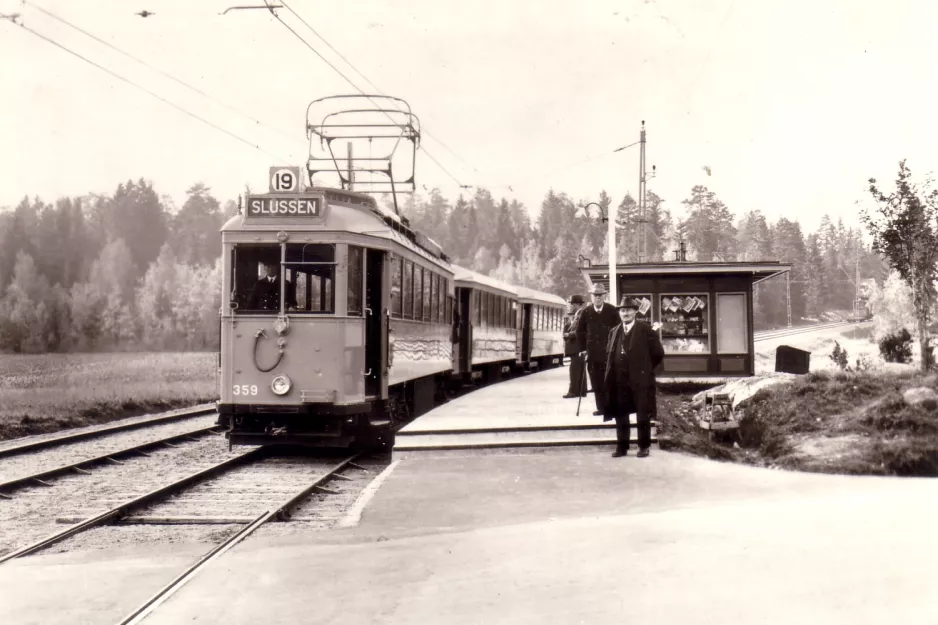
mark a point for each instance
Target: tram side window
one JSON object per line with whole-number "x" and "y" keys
{"x": 449, "y": 303}
{"x": 408, "y": 290}
{"x": 418, "y": 293}
{"x": 441, "y": 301}
{"x": 355, "y": 268}
{"x": 310, "y": 267}
{"x": 427, "y": 282}
{"x": 396, "y": 295}
{"x": 434, "y": 300}
{"x": 484, "y": 309}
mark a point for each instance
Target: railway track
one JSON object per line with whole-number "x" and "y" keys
{"x": 82, "y": 466}
{"x": 228, "y": 492}
{"x": 271, "y": 510}
{"x": 39, "y": 442}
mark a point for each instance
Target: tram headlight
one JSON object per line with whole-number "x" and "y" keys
{"x": 281, "y": 385}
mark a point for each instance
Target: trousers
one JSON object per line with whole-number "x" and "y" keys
{"x": 624, "y": 431}
{"x": 597, "y": 371}
{"x": 577, "y": 379}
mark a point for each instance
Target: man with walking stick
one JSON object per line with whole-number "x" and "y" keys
{"x": 592, "y": 331}
{"x": 571, "y": 347}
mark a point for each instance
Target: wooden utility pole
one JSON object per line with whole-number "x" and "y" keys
{"x": 641, "y": 199}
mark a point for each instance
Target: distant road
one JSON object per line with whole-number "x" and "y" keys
{"x": 774, "y": 334}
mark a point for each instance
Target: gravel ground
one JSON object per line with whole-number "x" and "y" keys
{"x": 243, "y": 492}
{"x": 32, "y": 512}
{"x": 45, "y": 459}
{"x": 14, "y": 442}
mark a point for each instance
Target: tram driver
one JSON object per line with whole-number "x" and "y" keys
{"x": 265, "y": 294}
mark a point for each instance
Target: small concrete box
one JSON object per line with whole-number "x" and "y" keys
{"x": 792, "y": 360}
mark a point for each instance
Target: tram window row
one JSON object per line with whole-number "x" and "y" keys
{"x": 418, "y": 293}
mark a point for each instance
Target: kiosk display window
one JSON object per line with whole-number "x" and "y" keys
{"x": 685, "y": 323}
{"x": 644, "y": 301}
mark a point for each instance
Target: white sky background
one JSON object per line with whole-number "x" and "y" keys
{"x": 793, "y": 105}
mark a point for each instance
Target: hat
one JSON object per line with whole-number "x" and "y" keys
{"x": 598, "y": 289}
{"x": 576, "y": 299}
{"x": 628, "y": 302}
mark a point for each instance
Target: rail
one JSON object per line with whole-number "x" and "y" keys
{"x": 281, "y": 512}
{"x": 77, "y": 436}
{"x": 77, "y": 467}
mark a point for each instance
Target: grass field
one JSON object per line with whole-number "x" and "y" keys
{"x": 50, "y": 392}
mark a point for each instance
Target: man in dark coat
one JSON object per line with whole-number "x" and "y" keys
{"x": 592, "y": 332}
{"x": 571, "y": 347}
{"x": 265, "y": 294}
{"x": 632, "y": 353}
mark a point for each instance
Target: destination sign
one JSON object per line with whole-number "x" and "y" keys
{"x": 284, "y": 207}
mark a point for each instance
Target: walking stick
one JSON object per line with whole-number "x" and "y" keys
{"x": 582, "y": 386}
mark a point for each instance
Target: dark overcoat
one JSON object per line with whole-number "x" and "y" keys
{"x": 592, "y": 330}
{"x": 571, "y": 346}
{"x": 265, "y": 295}
{"x": 630, "y": 375}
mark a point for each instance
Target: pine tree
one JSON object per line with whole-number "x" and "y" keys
{"x": 194, "y": 230}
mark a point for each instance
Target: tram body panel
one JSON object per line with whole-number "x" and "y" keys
{"x": 419, "y": 350}
{"x": 324, "y": 358}
{"x": 493, "y": 345}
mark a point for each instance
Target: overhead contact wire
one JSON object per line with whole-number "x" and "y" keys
{"x": 151, "y": 93}
{"x": 159, "y": 71}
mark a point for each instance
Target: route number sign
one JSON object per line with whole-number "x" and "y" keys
{"x": 284, "y": 179}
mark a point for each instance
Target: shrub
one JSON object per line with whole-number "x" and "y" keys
{"x": 896, "y": 347}
{"x": 839, "y": 356}
{"x": 864, "y": 363}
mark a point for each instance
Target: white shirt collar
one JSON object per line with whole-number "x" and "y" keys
{"x": 628, "y": 327}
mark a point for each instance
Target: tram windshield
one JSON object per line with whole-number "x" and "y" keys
{"x": 307, "y": 274}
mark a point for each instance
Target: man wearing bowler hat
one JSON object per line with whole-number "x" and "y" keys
{"x": 633, "y": 351}
{"x": 592, "y": 332}
{"x": 571, "y": 347}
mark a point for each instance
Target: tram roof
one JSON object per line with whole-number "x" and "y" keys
{"x": 398, "y": 229}
{"x": 530, "y": 294}
{"x": 523, "y": 293}
{"x": 462, "y": 274}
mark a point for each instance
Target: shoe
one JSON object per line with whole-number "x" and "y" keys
{"x": 597, "y": 413}
{"x": 643, "y": 453}
{"x": 618, "y": 453}
{"x": 568, "y": 396}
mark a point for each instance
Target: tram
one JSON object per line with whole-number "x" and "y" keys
{"x": 338, "y": 321}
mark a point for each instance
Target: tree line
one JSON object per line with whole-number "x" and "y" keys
{"x": 120, "y": 271}
{"x": 131, "y": 271}
{"x": 497, "y": 238}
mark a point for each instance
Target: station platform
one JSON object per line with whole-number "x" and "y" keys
{"x": 528, "y": 411}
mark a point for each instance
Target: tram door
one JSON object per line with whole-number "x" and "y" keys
{"x": 463, "y": 300}
{"x": 526, "y": 332}
{"x": 376, "y": 330}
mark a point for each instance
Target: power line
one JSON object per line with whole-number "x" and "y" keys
{"x": 147, "y": 91}
{"x": 373, "y": 85}
{"x": 156, "y": 69}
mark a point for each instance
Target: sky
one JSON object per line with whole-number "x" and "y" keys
{"x": 791, "y": 105}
